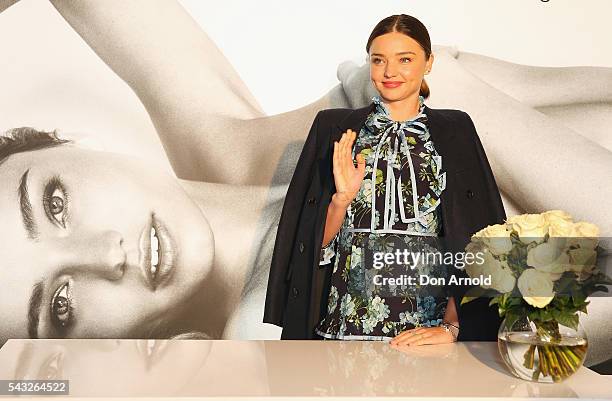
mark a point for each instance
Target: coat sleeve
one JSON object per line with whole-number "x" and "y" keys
{"x": 280, "y": 269}
{"x": 497, "y": 214}
{"x": 479, "y": 321}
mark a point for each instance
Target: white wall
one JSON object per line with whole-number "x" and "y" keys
{"x": 305, "y": 40}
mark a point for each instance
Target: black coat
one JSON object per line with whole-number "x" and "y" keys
{"x": 298, "y": 287}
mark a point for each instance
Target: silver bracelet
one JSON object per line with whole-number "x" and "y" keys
{"x": 451, "y": 328}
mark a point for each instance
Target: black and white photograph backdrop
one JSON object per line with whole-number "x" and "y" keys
{"x": 174, "y": 127}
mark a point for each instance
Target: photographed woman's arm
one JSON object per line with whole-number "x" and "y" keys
{"x": 187, "y": 86}
{"x": 541, "y": 86}
{"x": 4, "y": 4}
{"x": 523, "y": 144}
{"x": 210, "y": 125}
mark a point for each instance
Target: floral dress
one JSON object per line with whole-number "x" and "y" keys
{"x": 395, "y": 210}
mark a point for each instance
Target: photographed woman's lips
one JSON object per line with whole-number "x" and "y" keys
{"x": 157, "y": 253}
{"x": 391, "y": 84}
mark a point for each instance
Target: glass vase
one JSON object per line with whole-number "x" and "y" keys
{"x": 544, "y": 352}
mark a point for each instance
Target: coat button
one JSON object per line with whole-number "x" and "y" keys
{"x": 312, "y": 201}
{"x": 301, "y": 247}
{"x": 295, "y": 292}
{"x": 469, "y": 194}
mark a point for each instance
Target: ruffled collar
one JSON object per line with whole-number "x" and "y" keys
{"x": 383, "y": 110}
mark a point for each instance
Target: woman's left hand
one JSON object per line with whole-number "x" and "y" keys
{"x": 423, "y": 336}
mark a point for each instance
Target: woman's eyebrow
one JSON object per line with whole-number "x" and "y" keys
{"x": 397, "y": 54}
{"x": 34, "y": 308}
{"x": 25, "y": 206}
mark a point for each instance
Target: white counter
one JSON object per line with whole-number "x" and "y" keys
{"x": 197, "y": 368}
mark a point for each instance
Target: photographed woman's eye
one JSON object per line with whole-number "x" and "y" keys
{"x": 405, "y": 60}
{"x": 55, "y": 200}
{"x": 377, "y": 60}
{"x": 62, "y": 306}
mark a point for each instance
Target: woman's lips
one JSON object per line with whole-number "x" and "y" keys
{"x": 157, "y": 264}
{"x": 391, "y": 84}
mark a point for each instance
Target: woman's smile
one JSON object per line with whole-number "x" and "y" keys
{"x": 158, "y": 253}
{"x": 391, "y": 84}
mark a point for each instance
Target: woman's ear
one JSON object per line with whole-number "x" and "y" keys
{"x": 429, "y": 64}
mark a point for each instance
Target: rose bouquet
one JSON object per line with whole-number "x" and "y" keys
{"x": 542, "y": 268}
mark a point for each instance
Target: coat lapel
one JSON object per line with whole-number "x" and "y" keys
{"x": 442, "y": 134}
{"x": 354, "y": 121}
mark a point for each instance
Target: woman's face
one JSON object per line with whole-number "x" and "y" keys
{"x": 397, "y": 66}
{"x": 95, "y": 245}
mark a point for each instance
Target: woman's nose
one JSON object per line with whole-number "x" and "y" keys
{"x": 98, "y": 253}
{"x": 390, "y": 70}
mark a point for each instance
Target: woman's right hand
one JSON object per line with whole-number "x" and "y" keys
{"x": 347, "y": 177}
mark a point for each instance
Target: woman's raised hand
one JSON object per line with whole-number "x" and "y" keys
{"x": 347, "y": 177}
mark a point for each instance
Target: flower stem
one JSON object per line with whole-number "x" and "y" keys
{"x": 529, "y": 357}
{"x": 542, "y": 358}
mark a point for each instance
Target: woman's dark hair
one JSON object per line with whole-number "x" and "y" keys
{"x": 409, "y": 26}
{"x": 18, "y": 140}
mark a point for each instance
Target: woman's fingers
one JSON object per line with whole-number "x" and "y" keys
{"x": 406, "y": 334}
{"x": 361, "y": 164}
{"x": 344, "y": 168}
{"x": 349, "y": 137}
{"x": 423, "y": 336}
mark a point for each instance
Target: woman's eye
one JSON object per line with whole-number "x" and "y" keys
{"x": 55, "y": 200}
{"x": 61, "y": 306}
{"x": 405, "y": 60}
{"x": 377, "y": 61}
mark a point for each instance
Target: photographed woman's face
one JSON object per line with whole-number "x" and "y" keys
{"x": 147, "y": 367}
{"x": 397, "y": 66}
{"x": 95, "y": 245}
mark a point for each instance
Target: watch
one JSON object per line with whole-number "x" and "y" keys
{"x": 449, "y": 327}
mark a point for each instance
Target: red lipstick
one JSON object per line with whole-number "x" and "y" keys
{"x": 391, "y": 84}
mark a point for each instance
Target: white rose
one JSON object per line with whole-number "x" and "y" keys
{"x": 548, "y": 258}
{"x": 529, "y": 227}
{"x": 559, "y": 232}
{"x": 536, "y": 288}
{"x": 496, "y": 238}
{"x": 552, "y": 216}
{"x": 560, "y": 228}
{"x": 502, "y": 279}
{"x": 474, "y": 269}
{"x": 585, "y": 235}
{"x": 555, "y": 276}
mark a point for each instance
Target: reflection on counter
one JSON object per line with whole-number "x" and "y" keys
{"x": 170, "y": 368}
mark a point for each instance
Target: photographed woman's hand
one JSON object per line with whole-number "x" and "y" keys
{"x": 347, "y": 177}
{"x": 423, "y": 336}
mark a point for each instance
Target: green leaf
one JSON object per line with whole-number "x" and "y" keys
{"x": 511, "y": 318}
{"x": 569, "y": 320}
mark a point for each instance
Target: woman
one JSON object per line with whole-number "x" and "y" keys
{"x": 181, "y": 87}
{"x": 403, "y": 205}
